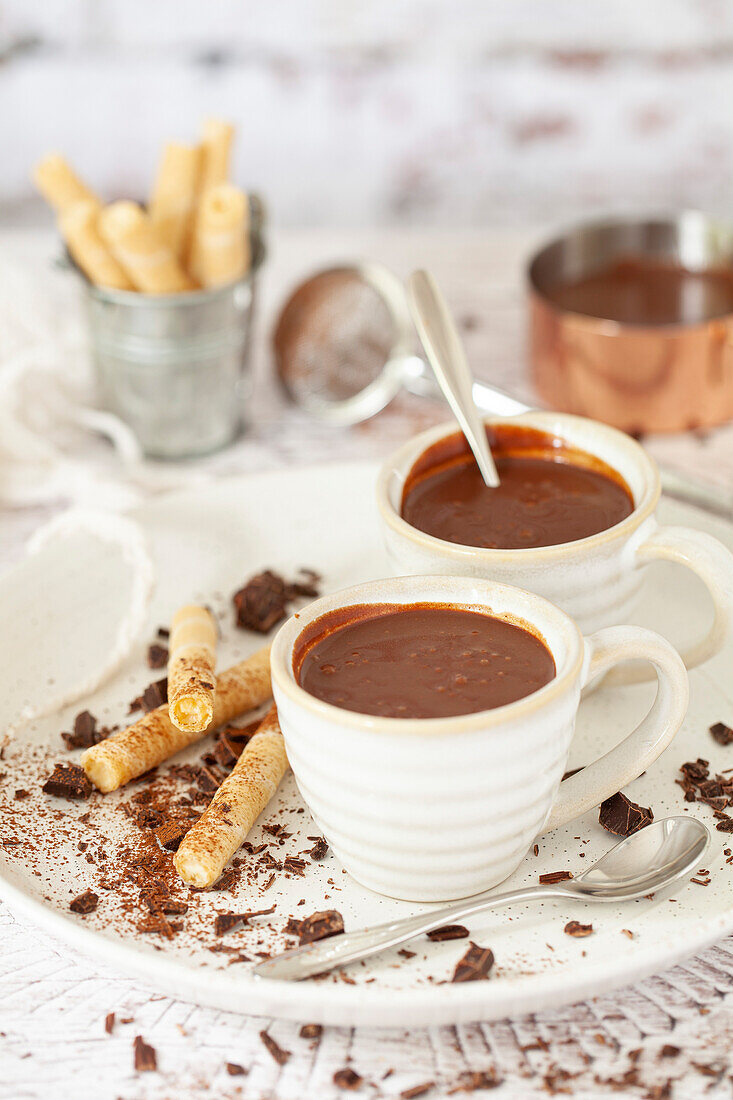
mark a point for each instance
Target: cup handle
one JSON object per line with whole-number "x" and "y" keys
{"x": 607, "y": 775}
{"x": 713, "y": 564}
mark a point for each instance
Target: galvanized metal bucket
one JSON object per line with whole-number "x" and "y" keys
{"x": 176, "y": 368}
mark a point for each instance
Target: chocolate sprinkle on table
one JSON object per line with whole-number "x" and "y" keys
{"x": 555, "y": 876}
{"x": 318, "y": 926}
{"x": 170, "y": 834}
{"x": 281, "y": 1056}
{"x": 311, "y": 1031}
{"x": 157, "y": 656}
{"x": 417, "y": 1090}
{"x": 619, "y": 815}
{"x": 476, "y": 1079}
{"x": 68, "y": 781}
{"x": 575, "y": 928}
{"x": 235, "y": 1070}
{"x": 475, "y": 965}
{"x": 145, "y": 1057}
{"x": 84, "y": 903}
{"x": 109, "y": 1022}
{"x": 448, "y": 932}
{"x": 225, "y": 922}
{"x": 347, "y": 1078}
{"x": 319, "y": 850}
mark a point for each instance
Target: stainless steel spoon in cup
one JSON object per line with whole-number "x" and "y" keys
{"x": 644, "y": 862}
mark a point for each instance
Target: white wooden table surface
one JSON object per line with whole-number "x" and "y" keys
{"x": 53, "y": 1002}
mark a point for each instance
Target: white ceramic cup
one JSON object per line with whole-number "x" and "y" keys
{"x": 597, "y": 580}
{"x": 442, "y": 808}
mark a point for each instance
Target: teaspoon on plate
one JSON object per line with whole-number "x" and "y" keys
{"x": 646, "y": 861}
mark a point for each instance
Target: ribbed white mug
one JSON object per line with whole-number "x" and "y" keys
{"x": 442, "y": 808}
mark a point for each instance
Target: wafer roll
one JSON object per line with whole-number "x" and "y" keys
{"x": 221, "y": 251}
{"x": 137, "y": 245}
{"x": 216, "y": 153}
{"x": 223, "y": 827}
{"x": 173, "y": 201}
{"x": 191, "y": 663}
{"x": 78, "y": 225}
{"x": 133, "y": 751}
{"x": 58, "y": 183}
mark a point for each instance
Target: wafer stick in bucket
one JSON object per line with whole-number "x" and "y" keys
{"x": 216, "y": 153}
{"x": 221, "y": 236}
{"x": 133, "y": 751}
{"x": 223, "y": 827}
{"x": 59, "y": 184}
{"x": 78, "y": 225}
{"x": 173, "y": 201}
{"x": 191, "y": 666}
{"x": 137, "y": 245}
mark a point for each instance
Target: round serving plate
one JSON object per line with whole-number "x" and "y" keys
{"x": 206, "y": 542}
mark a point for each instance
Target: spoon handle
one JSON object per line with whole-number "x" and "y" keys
{"x": 447, "y": 358}
{"x": 315, "y": 958}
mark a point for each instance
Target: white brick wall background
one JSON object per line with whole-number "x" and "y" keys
{"x": 443, "y": 112}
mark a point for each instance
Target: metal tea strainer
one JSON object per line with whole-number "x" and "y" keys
{"x": 345, "y": 346}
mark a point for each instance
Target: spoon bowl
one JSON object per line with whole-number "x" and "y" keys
{"x": 646, "y": 861}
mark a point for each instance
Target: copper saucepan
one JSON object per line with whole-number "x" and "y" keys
{"x": 638, "y": 377}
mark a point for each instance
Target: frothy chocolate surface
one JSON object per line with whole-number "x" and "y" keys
{"x": 419, "y": 660}
{"x": 643, "y": 291}
{"x": 548, "y": 494}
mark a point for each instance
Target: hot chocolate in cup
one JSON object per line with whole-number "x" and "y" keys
{"x": 595, "y": 573}
{"x": 446, "y": 804}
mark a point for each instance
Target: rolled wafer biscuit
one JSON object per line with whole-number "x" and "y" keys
{"x": 78, "y": 225}
{"x": 222, "y": 828}
{"x": 216, "y": 149}
{"x": 222, "y": 249}
{"x": 133, "y": 751}
{"x": 191, "y": 663}
{"x": 136, "y": 243}
{"x": 59, "y": 184}
{"x": 173, "y": 201}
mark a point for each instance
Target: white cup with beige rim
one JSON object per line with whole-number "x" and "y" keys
{"x": 597, "y": 579}
{"x": 437, "y": 808}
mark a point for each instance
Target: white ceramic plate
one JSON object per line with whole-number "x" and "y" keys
{"x": 206, "y": 543}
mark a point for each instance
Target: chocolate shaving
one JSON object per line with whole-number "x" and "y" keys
{"x": 84, "y": 903}
{"x": 619, "y": 815}
{"x": 264, "y": 599}
{"x": 417, "y": 1090}
{"x": 170, "y": 834}
{"x": 109, "y": 1022}
{"x": 21, "y": 794}
{"x": 235, "y": 1070}
{"x": 448, "y": 932}
{"x": 475, "y": 965}
{"x": 319, "y": 850}
{"x": 721, "y": 733}
{"x": 555, "y": 876}
{"x": 157, "y": 656}
{"x": 145, "y": 1057}
{"x": 225, "y": 922}
{"x": 154, "y": 696}
{"x": 68, "y": 781}
{"x": 318, "y": 926}
{"x": 347, "y": 1078}
{"x": 311, "y": 1031}
{"x": 578, "y": 930}
{"x": 476, "y": 1079}
{"x": 281, "y": 1056}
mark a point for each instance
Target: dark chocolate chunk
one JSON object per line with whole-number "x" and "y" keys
{"x": 721, "y": 733}
{"x": 725, "y": 824}
{"x": 555, "y": 876}
{"x": 621, "y": 816}
{"x": 311, "y": 1031}
{"x": 145, "y": 1058}
{"x": 696, "y": 769}
{"x": 158, "y": 924}
{"x": 235, "y": 1070}
{"x": 68, "y": 781}
{"x": 281, "y": 1056}
{"x": 448, "y": 932}
{"x": 154, "y": 696}
{"x": 85, "y": 732}
{"x": 170, "y": 834}
{"x": 157, "y": 656}
{"x": 109, "y": 1022}
{"x": 575, "y": 928}
{"x": 318, "y": 926}
{"x": 263, "y": 601}
{"x": 475, "y": 965}
{"x": 84, "y": 903}
{"x": 319, "y": 850}
{"x": 21, "y": 794}
{"x": 208, "y": 779}
{"x": 347, "y": 1078}
{"x": 294, "y": 865}
{"x": 669, "y": 1051}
